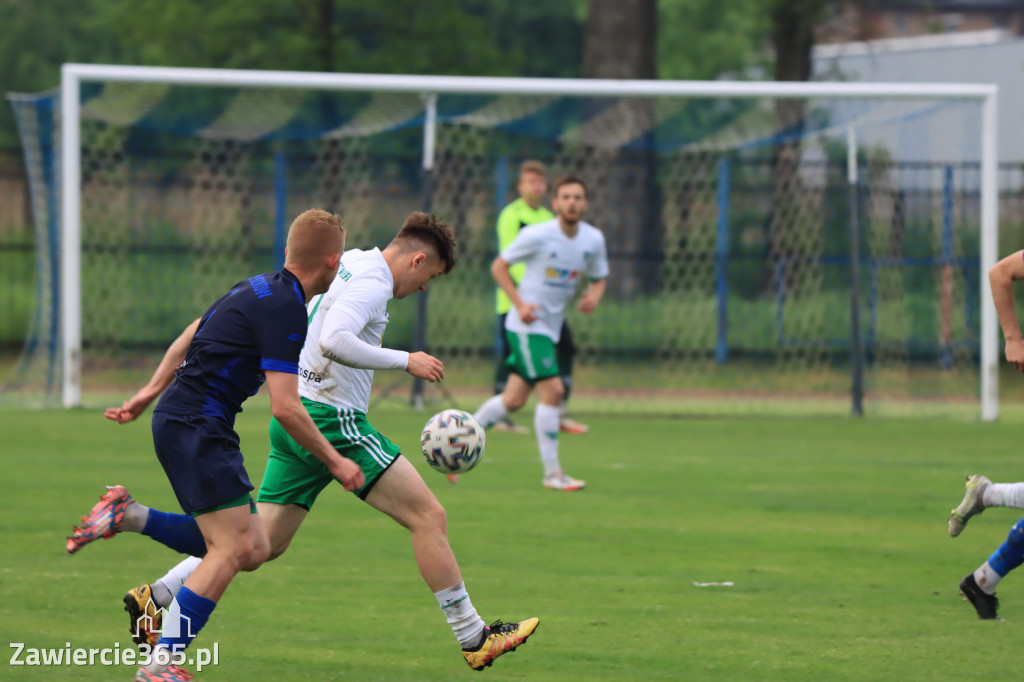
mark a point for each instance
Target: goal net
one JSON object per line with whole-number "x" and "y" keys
{"x": 777, "y": 248}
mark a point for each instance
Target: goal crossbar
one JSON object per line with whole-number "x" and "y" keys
{"x": 73, "y": 75}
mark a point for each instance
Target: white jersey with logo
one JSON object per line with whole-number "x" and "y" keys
{"x": 360, "y": 291}
{"x": 555, "y": 265}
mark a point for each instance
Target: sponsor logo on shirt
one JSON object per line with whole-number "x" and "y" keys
{"x": 560, "y": 277}
{"x": 309, "y": 375}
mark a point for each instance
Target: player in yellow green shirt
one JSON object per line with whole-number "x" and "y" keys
{"x": 528, "y": 210}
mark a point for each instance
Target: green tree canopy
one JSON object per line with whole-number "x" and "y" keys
{"x": 450, "y": 37}
{"x": 706, "y": 39}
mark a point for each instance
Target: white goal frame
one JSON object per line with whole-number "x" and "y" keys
{"x": 73, "y": 75}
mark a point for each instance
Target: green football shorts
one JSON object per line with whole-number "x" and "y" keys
{"x": 294, "y": 476}
{"x": 532, "y": 356}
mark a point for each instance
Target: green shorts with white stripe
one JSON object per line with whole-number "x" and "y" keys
{"x": 294, "y": 476}
{"x": 532, "y": 356}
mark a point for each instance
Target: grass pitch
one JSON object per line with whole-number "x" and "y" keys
{"x": 831, "y": 532}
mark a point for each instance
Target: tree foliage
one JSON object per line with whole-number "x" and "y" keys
{"x": 695, "y": 39}
{"x": 466, "y": 37}
{"x": 706, "y": 39}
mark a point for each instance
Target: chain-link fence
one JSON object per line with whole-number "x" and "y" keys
{"x": 728, "y": 224}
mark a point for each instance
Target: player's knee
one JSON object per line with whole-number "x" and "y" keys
{"x": 254, "y": 558}
{"x": 435, "y": 518}
{"x": 277, "y": 549}
{"x": 513, "y": 402}
{"x": 553, "y": 393}
{"x": 247, "y": 553}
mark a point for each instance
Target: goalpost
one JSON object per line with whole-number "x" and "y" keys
{"x": 741, "y": 275}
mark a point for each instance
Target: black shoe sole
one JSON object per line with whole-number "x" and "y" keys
{"x": 132, "y": 607}
{"x": 967, "y": 595}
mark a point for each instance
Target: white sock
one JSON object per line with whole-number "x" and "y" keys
{"x": 135, "y": 516}
{"x": 462, "y": 616}
{"x": 491, "y": 412}
{"x": 987, "y": 578}
{"x": 545, "y": 423}
{"x": 1004, "y": 495}
{"x": 166, "y": 588}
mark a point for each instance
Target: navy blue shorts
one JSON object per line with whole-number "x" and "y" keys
{"x": 202, "y": 459}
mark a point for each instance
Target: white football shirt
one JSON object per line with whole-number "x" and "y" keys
{"x": 555, "y": 265}
{"x": 358, "y": 300}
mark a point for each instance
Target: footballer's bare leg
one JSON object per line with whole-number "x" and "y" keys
{"x": 401, "y": 494}
{"x": 235, "y": 541}
{"x": 282, "y": 521}
{"x": 497, "y": 407}
{"x": 546, "y": 419}
{"x": 517, "y": 392}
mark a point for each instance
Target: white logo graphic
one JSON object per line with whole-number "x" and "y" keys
{"x": 171, "y": 621}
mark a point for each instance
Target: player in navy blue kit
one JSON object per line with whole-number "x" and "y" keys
{"x": 252, "y": 334}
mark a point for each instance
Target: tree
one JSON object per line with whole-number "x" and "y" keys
{"x": 621, "y": 40}
{"x": 362, "y": 36}
{"x": 707, "y": 39}
{"x": 792, "y": 35}
{"x": 464, "y": 37}
{"x": 38, "y": 38}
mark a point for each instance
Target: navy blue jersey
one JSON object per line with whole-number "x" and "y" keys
{"x": 260, "y": 324}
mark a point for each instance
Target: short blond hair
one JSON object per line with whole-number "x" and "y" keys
{"x": 533, "y": 166}
{"x": 314, "y": 235}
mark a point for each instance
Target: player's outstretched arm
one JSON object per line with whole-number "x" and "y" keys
{"x": 1001, "y": 277}
{"x": 289, "y": 411}
{"x": 339, "y": 342}
{"x": 161, "y": 379}
{"x": 591, "y": 297}
{"x": 503, "y": 278}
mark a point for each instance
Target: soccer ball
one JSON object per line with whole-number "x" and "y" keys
{"x": 452, "y": 441}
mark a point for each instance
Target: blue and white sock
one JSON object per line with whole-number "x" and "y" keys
{"x": 188, "y": 614}
{"x": 987, "y": 578}
{"x": 1009, "y": 556}
{"x": 167, "y": 587}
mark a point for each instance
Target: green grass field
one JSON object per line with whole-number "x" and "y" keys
{"x": 833, "y": 532}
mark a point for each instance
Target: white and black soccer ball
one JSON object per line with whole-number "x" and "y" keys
{"x": 453, "y": 441}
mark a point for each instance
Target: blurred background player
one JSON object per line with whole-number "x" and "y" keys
{"x": 527, "y": 210}
{"x": 979, "y": 587}
{"x": 342, "y": 350}
{"x": 557, "y": 254}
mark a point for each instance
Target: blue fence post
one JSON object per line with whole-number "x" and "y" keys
{"x": 946, "y": 354}
{"x": 280, "y": 206}
{"x": 722, "y": 260}
{"x": 45, "y": 108}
